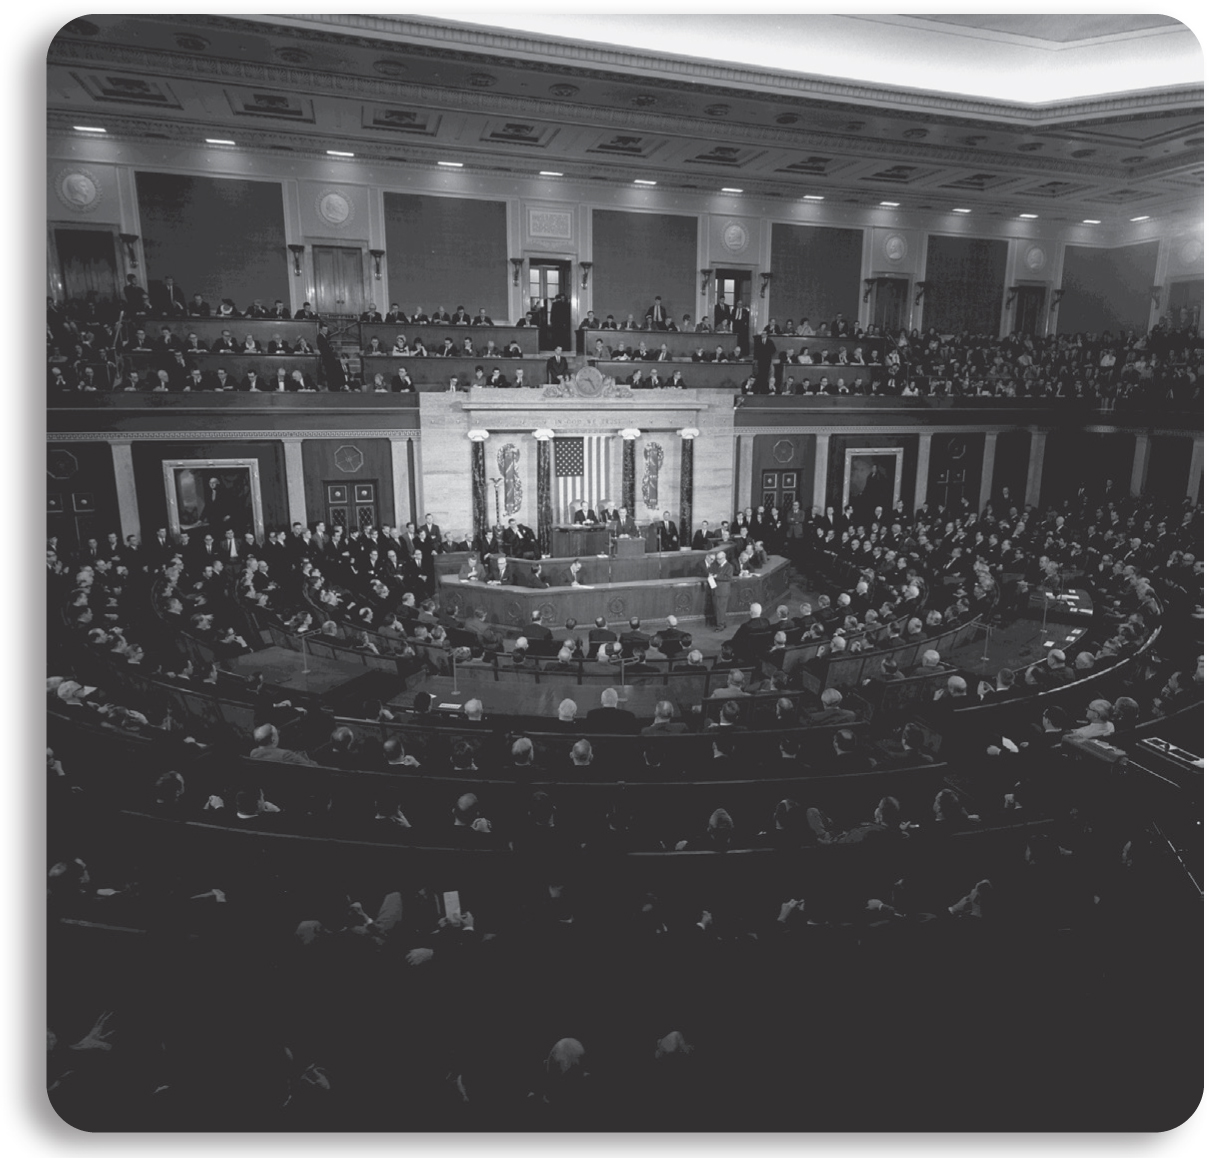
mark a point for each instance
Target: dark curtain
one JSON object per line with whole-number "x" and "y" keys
{"x": 545, "y": 511}
{"x": 627, "y": 474}
{"x": 88, "y": 264}
{"x": 1107, "y": 289}
{"x": 816, "y": 273}
{"x": 448, "y": 252}
{"x": 216, "y": 236}
{"x": 478, "y": 482}
{"x": 965, "y": 284}
{"x": 686, "y": 490}
{"x": 639, "y": 255}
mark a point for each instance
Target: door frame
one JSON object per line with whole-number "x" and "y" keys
{"x": 896, "y": 276}
{"x": 574, "y": 282}
{"x": 54, "y": 265}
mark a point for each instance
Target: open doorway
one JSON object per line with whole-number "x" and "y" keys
{"x": 730, "y": 286}
{"x": 550, "y": 301}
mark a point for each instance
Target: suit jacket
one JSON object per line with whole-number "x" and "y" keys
{"x": 566, "y": 579}
{"x": 538, "y": 631}
{"x": 672, "y": 641}
{"x": 472, "y": 570}
{"x": 668, "y": 534}
{"x": 665, "y": 728}
{"x": 611, "y": 721}
{"x": 585, "y": 516}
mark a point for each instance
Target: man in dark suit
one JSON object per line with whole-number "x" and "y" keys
{"x": 667, "y": 534}
{"x": 625, "y": 524}
{"x": 722, "y": 315}
{"x": 701, "y": 538}
{"x": 500, "y": 571}
{"x": 537, "y": 629}
{"x": 601, "y": 633}
{"x": 472, "y": 571}
{"x": 609, "y": 719}
{"x": 671, "y": 640}
{"x": 557, "y": 367}
{"x": 718, "y": 568}
{"x": 225, "y": 344}
{"x": 656, "y": 316}
{"x": 664, "y": 725}
{"x": 765, "y": 351}
{"x": 530, "y": 576}
{"x": 741, "y": 324}
{"x": 641, "y": 666}
{"x": 635, "y": 641}
{"x": 584, "y": 513}
{"x": 569, "y": 577}
{"x": 171, "y": 301}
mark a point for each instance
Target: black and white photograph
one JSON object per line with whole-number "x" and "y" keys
{"x": 619, "y": 573}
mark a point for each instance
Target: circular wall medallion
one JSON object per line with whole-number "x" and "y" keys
{"x": 783, "y": 451}
{"x": 616, "y": 606}
{"x": 683, "y": 603}
{"x": 1035, "y": 258}
{"x": 78, "y": 189}
{"x": 349, "y": 459}
{"x": 735, "y": 236}
{"x": 547, "y": 610}
{"x": 334, "y": 208}
{"x": 747, "y": 595}
{"x": 514, "y": 611}
{"x": 1191, "y": 251}
{"x": 895, "y": 247}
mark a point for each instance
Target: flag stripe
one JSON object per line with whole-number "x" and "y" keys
{"x": 593, "y": 457}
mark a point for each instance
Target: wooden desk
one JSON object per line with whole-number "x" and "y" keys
{"x": 236, "y": 366}
{"x": 526, "y": 336}
{"x": 432, "y": 374}
{"x": 209, "y": 330}
{"x": 680, "y": 592}
{"x": 581, "y": 539}
{"x": 697, "y": 375}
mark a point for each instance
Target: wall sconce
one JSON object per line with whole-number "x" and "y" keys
{"x": 377, "y": 255}
{"x": 765, "y": 278}
{"x": 921, "y": 288}
{"x": 689, "y": 432}
{"x": 297, "y": 251}
{"x": 1156, "y": 295}
{"x": 517, "y": 262}
{"x": 630, "y": 433}
{"x": 1013, "y": 292}
{"x": 870, "y": 283}
{"x": 130, "y": 240}
{"x": 585, "y": 267}
{"x": 706, "y": 274}
{"x": 1055, "y": 298}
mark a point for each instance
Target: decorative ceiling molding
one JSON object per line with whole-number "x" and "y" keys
{"x": 121, "y": 436}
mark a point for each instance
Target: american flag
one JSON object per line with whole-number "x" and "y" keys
{"x": 582, "y": 470}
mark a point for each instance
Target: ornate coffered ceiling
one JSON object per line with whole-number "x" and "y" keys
{"x": 409, "y": 91}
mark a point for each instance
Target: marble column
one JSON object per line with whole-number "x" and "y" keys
{"x": 545, "y": 506}
{"x": 821, "y": 444}
{"x": 478, "y": 487}
{"x": 987, "y": 486}
{"x": 1141, "y": 465}
{"x": 744, "y": 449}
{"x": 1196, "y": 468}
{"x": 123, "y": 477}
{"x": 400, "y": 479}
{"x": 686, "y": 490}
{"x": 1036, "y": 463}
{"x": 923, "y": 464}
{"x": 628, "y": 462}
{"x": 295, "y": 486}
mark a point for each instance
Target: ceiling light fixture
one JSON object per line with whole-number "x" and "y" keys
{"x": 450, "y": 164}
{"x": 1029, "y": 216}
{"x": 640, "y": 181}
{"x": 218, "y": 141}
{"x": 728, "y": 189}
{"x": 889, "y": 204}
{"x": 963, "y": 210}
{"x": 812, "y": 197}
{"x": 339, "y": 153}
{"x": 549, "y": 173}
{"x": 88, "y": 129}
{"x": 1144, "y": 217}
{"x": 1091, "y": 221}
